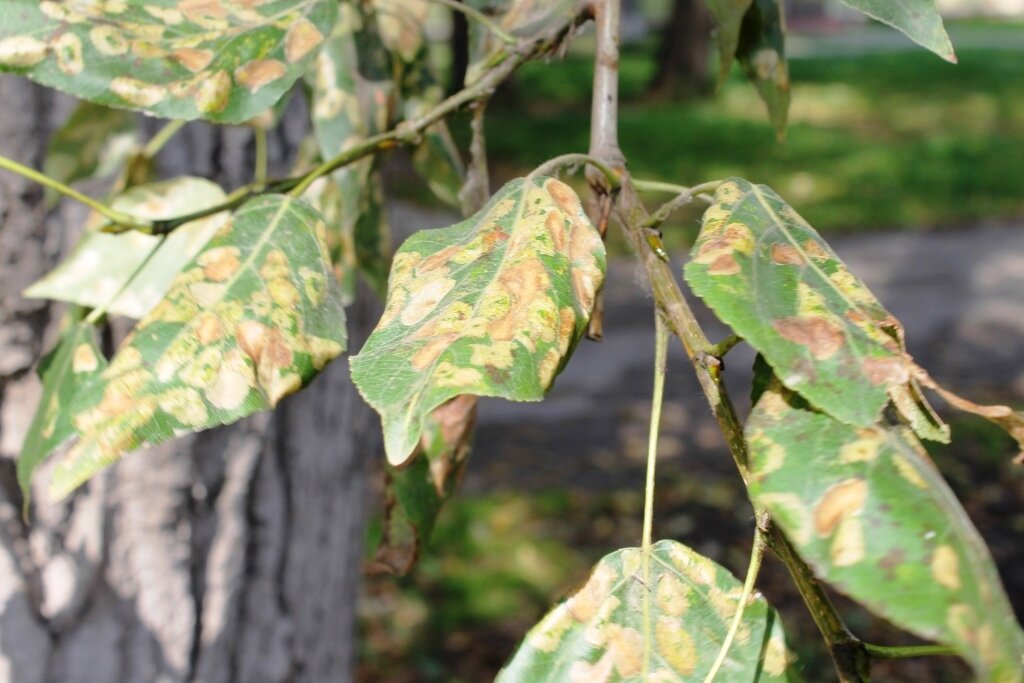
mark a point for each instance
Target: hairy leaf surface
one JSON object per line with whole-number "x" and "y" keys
{"x": 415, "y": 494}
{"x": 599, "y": 634}
{"x": 67, "y": 370}
{"x": 491, "y": 306}
{"x": 762, "y": 54}
{"x": 102, "y": 264}
{"x": 94, "y": 142}
{"x": 222, "y": 60}
{"x": 250, "y": 320}
{"x": 919, "y": 19}
{"x": 728, "y": 16}
{"x": 872, "y": 515}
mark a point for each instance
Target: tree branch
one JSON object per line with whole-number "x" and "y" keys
{"x": 851, "y": 657}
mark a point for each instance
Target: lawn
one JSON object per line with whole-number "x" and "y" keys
{"x": 894, "y": 139}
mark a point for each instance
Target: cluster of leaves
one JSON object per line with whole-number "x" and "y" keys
{"x": 243, "y": 303}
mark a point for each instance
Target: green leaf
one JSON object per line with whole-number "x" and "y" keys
{"x": 600, "y": 634}
{"x": 354, "y": 98}
{"x": 250, "y": 320}
{"x": 728, "y": 16}
{"x": 919, "y": 19}
{"x": 184, "y": 59}
{"x": 491, "y": 306}
{"x": 415, "y": 494}
{"x": 102, "y": 264}
{"x": 872, "y": 515}
{"x": 69, "y": 368}
{"x": 94, "y": 142}
{"x": 762, "y": 54}
{"x": 775, "y": 281}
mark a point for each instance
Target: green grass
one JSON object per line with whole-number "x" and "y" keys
{"x": 877, "y": 141}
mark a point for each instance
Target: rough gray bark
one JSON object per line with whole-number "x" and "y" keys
{"x": 228, "y": 556}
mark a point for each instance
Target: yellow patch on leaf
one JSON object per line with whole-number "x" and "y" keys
{"x": 676, "y": 646}
{"x": 864, "y": 449}
{"x": 219, "y": 263}
{"x": 672, "y": 595}
{"x": 626, "y": 646}
{"x": 848, "y": 544}
{"x": 136, "y": 92}
{"x": 22, "y": 51}
{"x": 842, "y": 501}
{"x": 67, "y": 48}
{"x": 84, "y": 359}
{"x": 945, "y": 567}
{"x": 584, "y": 605}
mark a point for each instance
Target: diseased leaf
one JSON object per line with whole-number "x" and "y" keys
{"x": 728, "y": 16}
{"x": 353, "y": 99}
{"x": 435, "y": 158}
{"x": 600, "y": 633}
{"x": 67, "y": 370}
{"x": 872, "y": 515}
{"x": 103, "y": 263}
{"x": 416, "y": 493}
{"x": 400, "y": 24}
{"x": 94, "y": 142}
{"x": 252, "y": 318}
{"x": 919, "y": 19}
{"x": 775, "y": 281}
{"x": 186, "y": 59}
{"x": 762, "y": 54}
{"x": 772, "y": 278}
{"x": 491, "y": 306}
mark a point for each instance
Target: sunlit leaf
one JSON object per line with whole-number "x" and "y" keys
{"x": 919, "y": 19}
{"x": 65, "y": 371}
{"x": 772, "y": 278}
{"x": 353, "y": 99}
{"x": 94, "y": 142}
{"x": 102, "y": 263}
{"x": 872, "y": 515}
{"x": 775, "y": 281}
{"x": 491, "y": 306}
{"x": 728, "y": 16}
{"x": 600, "y": 633}
{"x": 416, "y": 493}
{"x": 213, "y": 59}
{"x": 250, "y": 320}
{"x": 762, "y": 54}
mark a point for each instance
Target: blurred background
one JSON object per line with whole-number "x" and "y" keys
{"x": 912, "y": 166}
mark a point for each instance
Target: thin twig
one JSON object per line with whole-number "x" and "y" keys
{"x": 681, "y": 200}
{"x": 46, "y": 181}
{"x": 756, "y": 555}
{"x": 480, "y": 18}
{"x": 552, "y": 166}
{"x": 260, "y": 162}
{"x": 162, "y": 137}
{"x": 904, "y": 651}
{"x": 660, "y": 355}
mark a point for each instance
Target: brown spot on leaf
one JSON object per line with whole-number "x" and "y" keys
{"x": 555, "y": 225}
{"x": 815, "y": 251}
{"x": 563, "y": 196}
{"x": 252, "y": 338}
{"x": 524, "y": 282}
{"x": 257, "y": 73}
{"x": 193, "y": 59}
{"x": 725, "y": 264}
{"x": 786, "y": 254}
{"x": 209, "y": 329}
{"x": 839, "y": 502}
{"x": 214, "y": 92}
{"x": 430, "y": 351}
{"x": 584, "y": 605}
{"x": 822, "y": 337}
{"x": 885, "y": 370}
{"x": 302, "y": 37}
{"x": 626, "y": 646}
{"x": 219, "y": 263}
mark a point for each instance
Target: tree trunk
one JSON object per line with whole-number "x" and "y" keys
{"x": 230, "y": 555}
{"x": 683, "y": 51}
